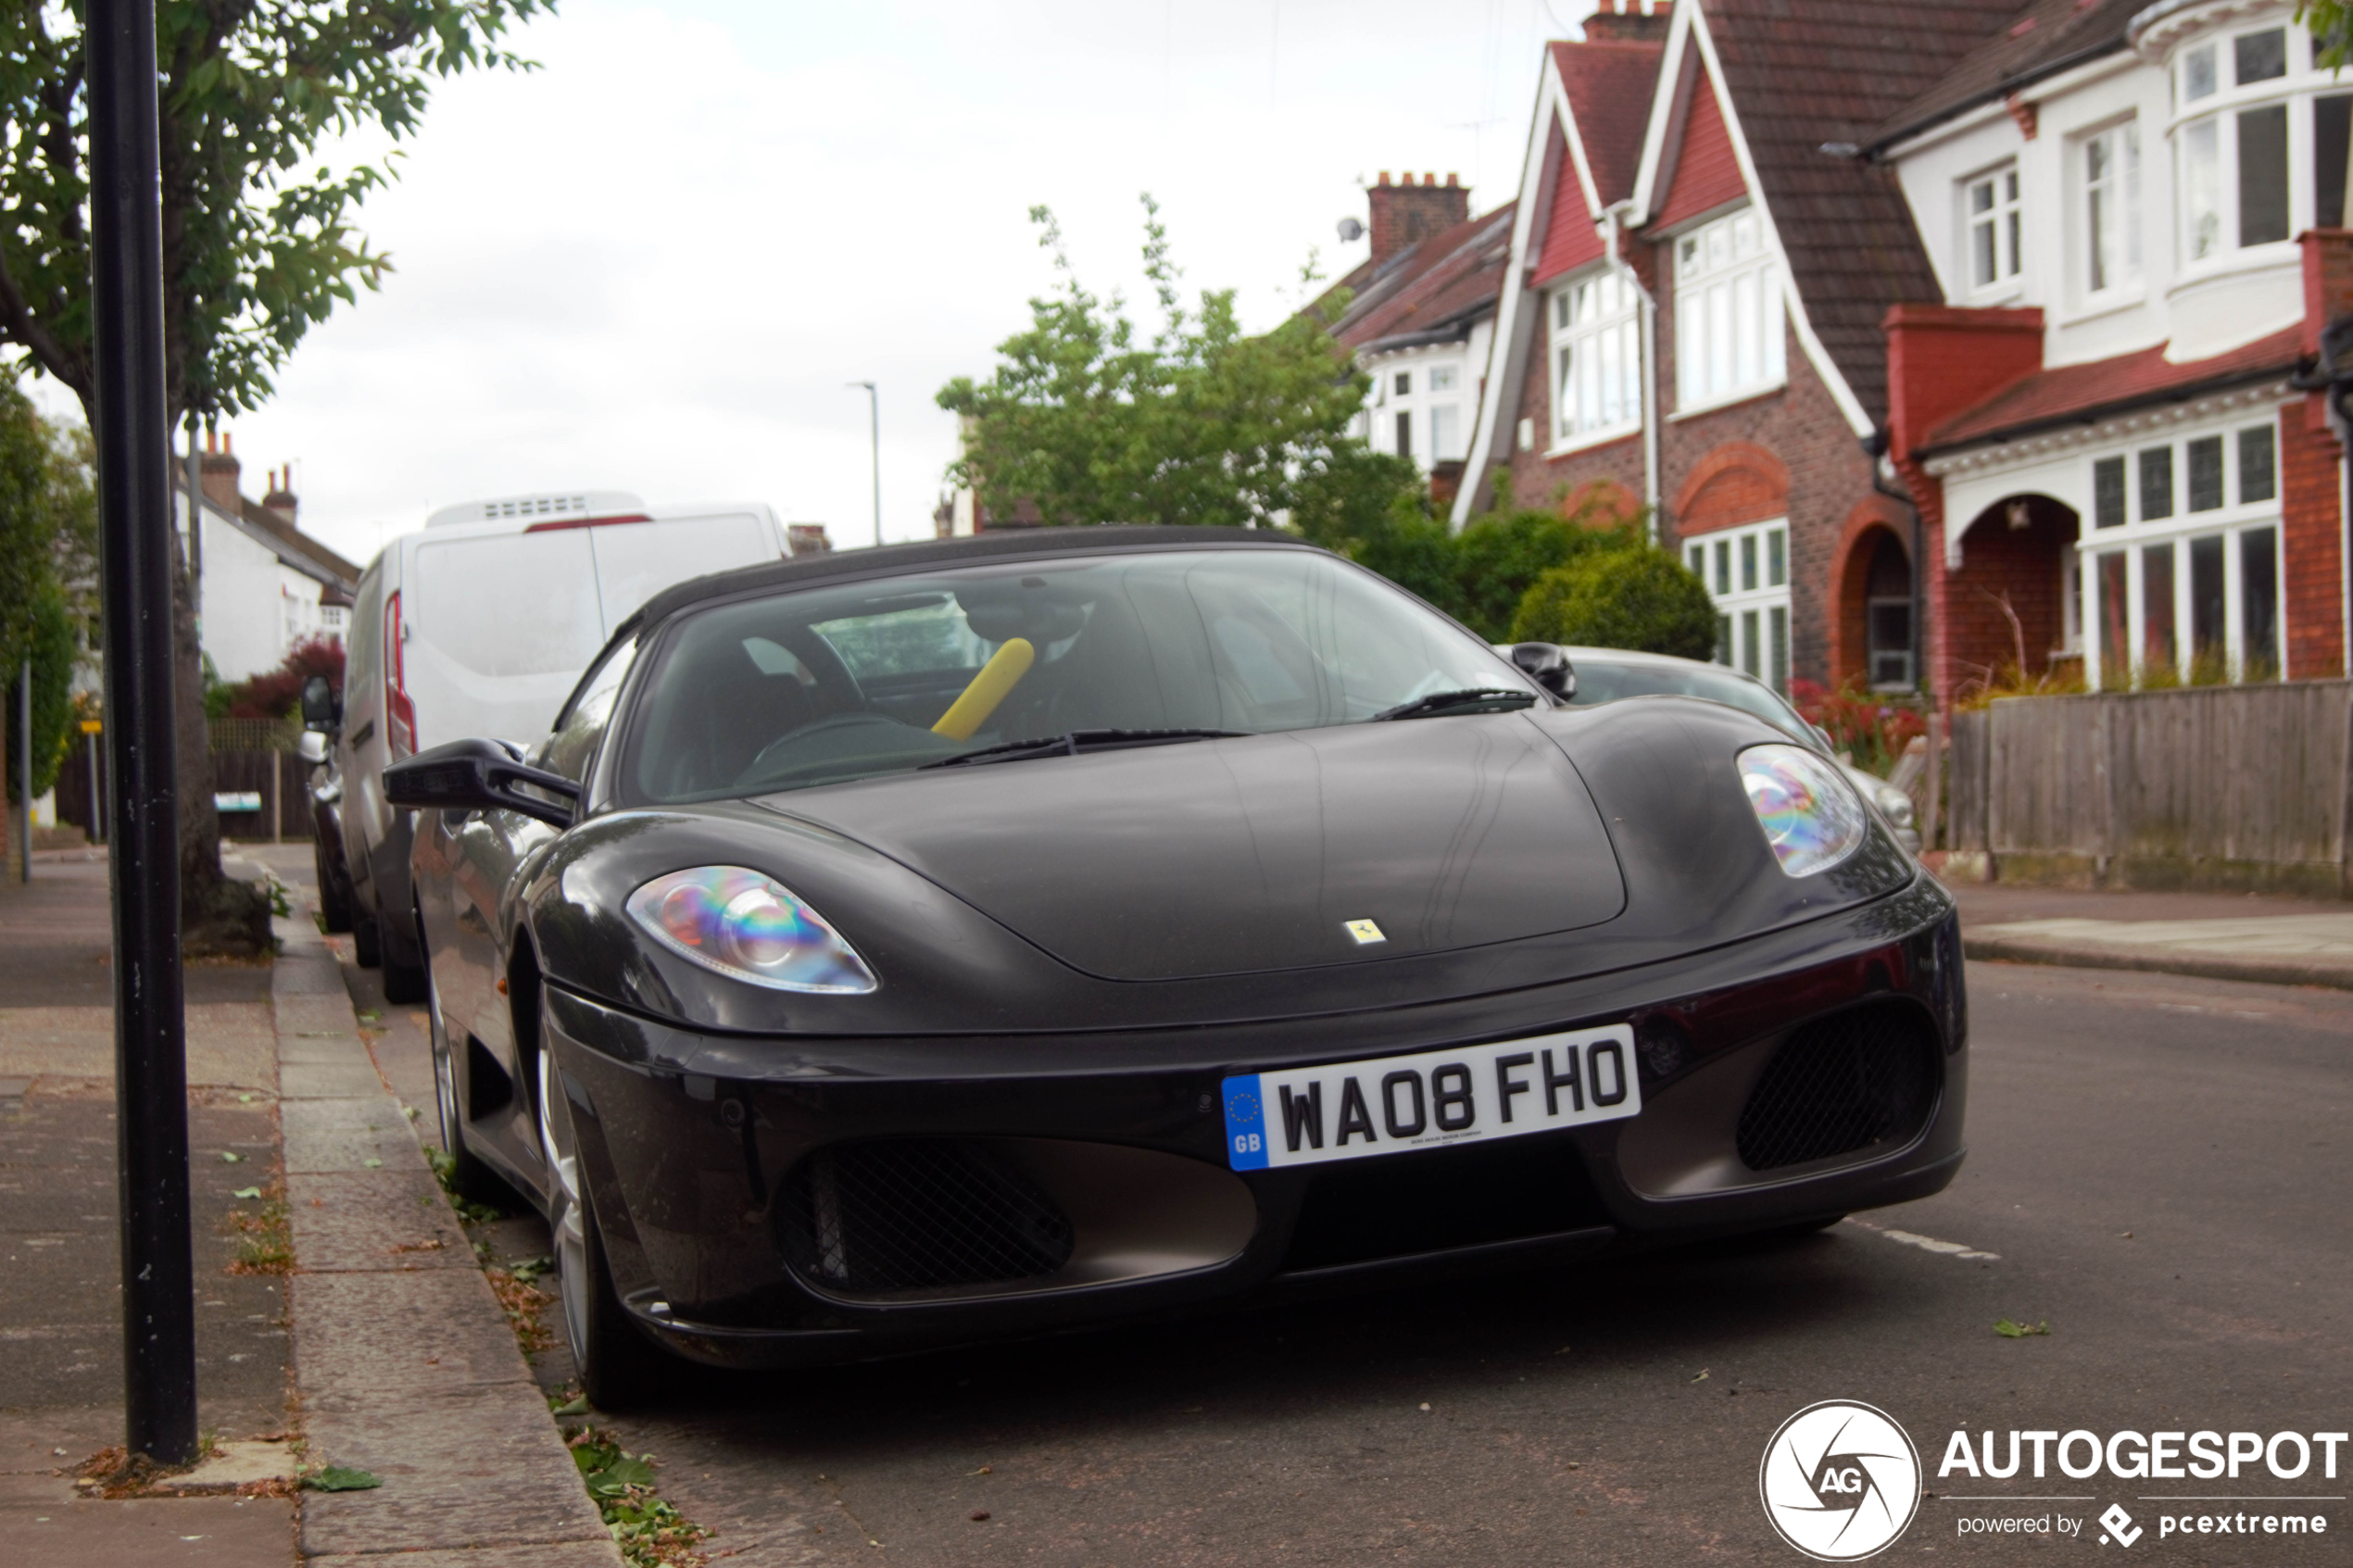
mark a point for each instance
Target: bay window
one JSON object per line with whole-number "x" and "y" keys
{"x": 2186, "y": 587}
{"x": 1746, "y": 570}
{"x": 1597, "y": 359}
{"x": 1727, "y": 313}
{"x": 2236, "y": 154}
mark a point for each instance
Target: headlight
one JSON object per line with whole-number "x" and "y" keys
{"x": 1811, "y": 816}
{"x": 1894, "y": 803}
{"x": 747, "y": 927}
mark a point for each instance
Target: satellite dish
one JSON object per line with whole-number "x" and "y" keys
{"x": 1351, "y": 230}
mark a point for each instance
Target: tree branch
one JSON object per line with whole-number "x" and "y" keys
{"x": 17, "y": 320}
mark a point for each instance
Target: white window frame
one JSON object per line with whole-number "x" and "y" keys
{"x": 2105, "y": 166}
{"x": 2000, "y": 221}
{"x": 2209, "y": 123}
{"x": 1728, "y": 300}
{"x": 1752, "y": 598}
{"x": 2230, "y": 521}
{"x": 1596, "y": 349}
{"x": 1424, "y": 403}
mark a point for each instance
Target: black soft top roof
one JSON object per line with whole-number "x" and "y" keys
{"x": 941, "y": 552}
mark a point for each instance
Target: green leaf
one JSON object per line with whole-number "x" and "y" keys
{"x": 2010, "y": 1330}
{"x": 571, "y": 1407}
{"x": 372, "y": 1163}
{"x": 231, "y": 1156}
{"x": 341, "y": 1478}
{"x": 247, "y": 1192}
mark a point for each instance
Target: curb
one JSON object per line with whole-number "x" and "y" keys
{"x": 403, "y": 1363}
{"x": 2267, "y": 971}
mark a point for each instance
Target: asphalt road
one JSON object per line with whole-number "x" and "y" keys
{"x": 2159, "y": 1166}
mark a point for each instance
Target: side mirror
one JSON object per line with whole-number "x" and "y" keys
{"x": 312, "y": 747}
{"x": 321, "y": 708}
{"x": 466, "y": 775}
{"x": 1547, "y": 665}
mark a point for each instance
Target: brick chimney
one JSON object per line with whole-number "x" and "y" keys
{"x": 280, "y": 498}
{"x": 220, "y": 473}
{"x": 1629, "y": 21}
{"x": 1406, "y": 213}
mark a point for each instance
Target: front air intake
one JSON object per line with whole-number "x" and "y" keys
{"x": 1860, "y": 1079}
{"x": 917, "y": 1214}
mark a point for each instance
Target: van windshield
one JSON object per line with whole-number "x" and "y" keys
{"x": 849, "y": 681}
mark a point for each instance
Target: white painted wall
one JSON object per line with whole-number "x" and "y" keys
{"x": 2199, "y": 309}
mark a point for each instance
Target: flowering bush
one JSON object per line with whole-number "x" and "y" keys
{"x": 1868, "y": 726}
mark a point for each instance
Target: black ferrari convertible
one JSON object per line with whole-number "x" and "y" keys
{"x": 929, "y": 943}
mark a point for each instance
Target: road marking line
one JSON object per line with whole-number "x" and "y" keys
{"x": 1925, "y": 1243}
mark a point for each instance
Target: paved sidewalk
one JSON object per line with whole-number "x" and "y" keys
{"x": 2214, "y": 936}
{"x": 399, "y": 1360}
{"x": 60, "y": 1315}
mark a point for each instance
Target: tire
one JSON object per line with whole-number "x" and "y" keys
{"x": 367, "y": 947}
{"x": 620, "y": 1367}
{"x": 403, "y": 982}
{"x": 334, "y": 898}
{"x": 469, "y": 1177}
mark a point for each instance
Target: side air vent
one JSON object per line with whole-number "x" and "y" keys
{"x": 1856, "y": 1080}
{"x": 913, "y": 1215}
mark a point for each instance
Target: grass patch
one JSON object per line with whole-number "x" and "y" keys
{"x": 445, "y": 1171}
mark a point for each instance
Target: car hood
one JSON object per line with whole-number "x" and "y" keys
{"x": 1255, "y": 853}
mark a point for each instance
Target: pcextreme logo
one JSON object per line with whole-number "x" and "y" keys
{"x": 1840, "y": 1481}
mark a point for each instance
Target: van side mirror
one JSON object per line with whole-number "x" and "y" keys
{"x": 321, "y": 708}
{"x": 468, "y": 775}
{"x": 1547, "y": 665}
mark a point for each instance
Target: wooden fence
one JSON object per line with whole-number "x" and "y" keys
{"x": 2217, "y": 786}
{"x": 232, "y": 773}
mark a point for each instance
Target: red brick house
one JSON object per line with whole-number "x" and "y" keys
{"x": 2110, "y": 415}
{"x": 1736, "y": 244}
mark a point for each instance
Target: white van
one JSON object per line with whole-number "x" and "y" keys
{"x": 480, "y": 625}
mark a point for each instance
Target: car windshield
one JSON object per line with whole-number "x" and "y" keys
{"x": 1601, "y": 680}
{"x": 846, "y": 681}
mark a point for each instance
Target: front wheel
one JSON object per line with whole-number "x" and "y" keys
{"x": 619, "y": 1368}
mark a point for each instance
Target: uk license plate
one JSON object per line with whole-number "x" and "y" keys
{"x": 1469, "y": 1094}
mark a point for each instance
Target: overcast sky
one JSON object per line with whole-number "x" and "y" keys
{"x": 653, "y": 264}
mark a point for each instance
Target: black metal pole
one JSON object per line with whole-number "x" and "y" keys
{"x": 135, "y": 545}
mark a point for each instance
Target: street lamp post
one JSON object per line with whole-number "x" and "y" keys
{"x": 873, "y": 408}
{"x": 135, "y": 543}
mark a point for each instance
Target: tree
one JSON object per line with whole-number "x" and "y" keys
{"x": 47, "y": 525}
{"x": 1090, "y": 422}
{"x": 257, "y": 240}
{"x": 1637, "y": 597}
{"x": 2330, "y": 22}
{"x": 275, "y": 694}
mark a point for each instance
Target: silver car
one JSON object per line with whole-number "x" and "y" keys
{"x": 1607, "y": 674}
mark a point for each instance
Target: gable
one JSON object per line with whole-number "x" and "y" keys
{"x": 1571, "y": 238}
{"x": 1707, "y": 172}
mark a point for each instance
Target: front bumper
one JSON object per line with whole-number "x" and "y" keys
{"x": 701, "y": 1151}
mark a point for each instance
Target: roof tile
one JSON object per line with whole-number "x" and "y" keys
{"x": 2068, "y": 394}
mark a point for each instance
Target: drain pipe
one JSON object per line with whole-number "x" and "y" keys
{"x": 1646, "y": 315}
{"x": 1875, "y": 446}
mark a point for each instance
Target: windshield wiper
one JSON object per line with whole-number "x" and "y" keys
{"x": 1487, "y": 697}
{"x": 1076, "y": 741}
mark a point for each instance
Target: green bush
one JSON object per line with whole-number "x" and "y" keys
{"x": 1637, "y": 597}
{"x": 1499, "y": 556}
{"x": 48, "y": 639}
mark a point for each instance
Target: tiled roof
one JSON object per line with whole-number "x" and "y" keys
{"x": 292, "y": 539}
{"x": 1609, "y": 83}
{"x": 2080, "y": 393}
{"x": 2035, "y": 40}
{"x": 1830, "y": 71}
{"x": 1432, "y": 291}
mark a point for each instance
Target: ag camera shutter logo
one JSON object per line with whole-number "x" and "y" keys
{"x": 1840, "y": 1481}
